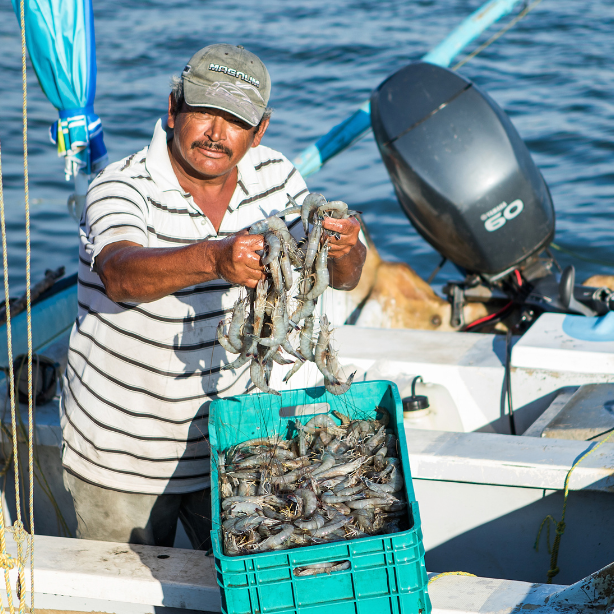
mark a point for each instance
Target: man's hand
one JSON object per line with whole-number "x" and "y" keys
{"x": 346, "y": 254}
{"x": 348, "y": 236}
{"x": 236, "y": 259}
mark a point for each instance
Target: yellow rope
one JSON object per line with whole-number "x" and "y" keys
{"x": 497, "y": 35}
{"x": 560, "y": 526}
{"x": 11, "y": 385}
{"x": 450, "y": 573}
{"x": 28, "y": 306}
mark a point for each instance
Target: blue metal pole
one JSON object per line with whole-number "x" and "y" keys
{"x": 359, "y": 123}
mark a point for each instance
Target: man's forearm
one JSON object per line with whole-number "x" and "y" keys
{"x": 139, "y": 274}
{"x": 345, "y": 271}
{"x": 134, "y": 273}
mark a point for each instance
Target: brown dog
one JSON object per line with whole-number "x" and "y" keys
{"x": 600, "y": 281}
{"x": 393, "y": 295}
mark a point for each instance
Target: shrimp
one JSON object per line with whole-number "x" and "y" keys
{"x": 394, "y": 485}
{"x": 289, "y": 211}
{"x": 313, "y": 243}
{"x": 244, "y": 489}
{"x": 363, "y": 519}
{"x": 274, "y": 247}
{"x": 310, "y": 501}
{"x": 223, "y": 339}
{"x": 317, "y": 522}
{"x": 351, "y": 490}
{"x": 257, "y": 374}
{"x": 276, "y": 275}
{"x": 376, "y": 440}
{"x": 310, "y": 204}
{"x": 243, "y": 525}
{"x": 303, "y": 311}
{"x": 287, "y": 346}
{"x": 343, "y": 469}
{"x": 302, "y": 443}
{"x": 234, "y": 330}
{"x": 260, "y": 305}
{"x": 278, "y": 226}
{"x": 297, "y": 365}
{"x": 322, "y": 275}
{"x": 280, "y": 360}
{"x": 273, "y": 440}
{"x": 321, "y": 420}
{"x": 337, "y": 387}
{"x": 306, "y": 338}
{"x": 328, "y": 461}
{"x": 230, "y": 546}
{"x": 279, "y": 329}
{"x": 379, "y": 459}
{"x": 276, "y": 541}
{"x": 294, "y": 475}
{"x": 362, "y": 504}
{"x": 335, "y": 208}
{"x": 334, "y": 499}
{"x": 318, "y": 568}
{"x": 321, "y": 350}
{"x": 330, "y": 527}
{"x": 259, "y": 228}
{"x": 250, "y": 343}
{"x": 293, "y": 209}
{"x": 286, "y": 267}
{"x": 296, "y": 255}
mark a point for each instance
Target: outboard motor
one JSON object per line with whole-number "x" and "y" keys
{"x": 467, "y": 183}
{"x": 461, "y": 172}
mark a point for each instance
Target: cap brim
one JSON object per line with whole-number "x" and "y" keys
{"x": 225, "y": 97}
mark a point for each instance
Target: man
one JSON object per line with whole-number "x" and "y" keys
{"x": 164, "y": 254}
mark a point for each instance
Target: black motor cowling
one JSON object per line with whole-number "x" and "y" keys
{"x": 462, "y": 174}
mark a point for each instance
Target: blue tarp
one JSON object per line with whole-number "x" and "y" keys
{"x": 62, "y": 48}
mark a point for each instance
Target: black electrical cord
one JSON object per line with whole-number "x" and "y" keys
{"x": 508, "y": 382}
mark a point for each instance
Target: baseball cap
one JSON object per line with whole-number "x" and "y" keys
{"x": 228, "y": 78}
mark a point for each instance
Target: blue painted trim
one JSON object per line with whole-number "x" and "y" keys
{"x": 590, "y": 329}
{"x": 50, "y": 318}
{"x": 468, "y": 31}
{"x": 359, "y": 123}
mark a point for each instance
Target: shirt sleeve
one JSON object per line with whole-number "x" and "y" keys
{"x": 115, "y": 210}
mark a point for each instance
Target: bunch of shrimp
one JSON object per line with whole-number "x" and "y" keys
{"x": 263, "y": 321}
{"x": 330, "y": 482}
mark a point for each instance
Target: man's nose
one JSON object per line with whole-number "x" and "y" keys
{"x": 216, "y": 130}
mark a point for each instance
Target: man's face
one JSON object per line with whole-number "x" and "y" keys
{"x": 208, "y": 142}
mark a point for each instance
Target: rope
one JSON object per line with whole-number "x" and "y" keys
{"x": 450, "y": 573}
{"x": 20, "y": 536}
{"x": 11, "y": 384}
{"x": 560, "y": 526}
{"x": 565, "y": 250}
{"x": 20, "y": 532}
{"x": 497, "y": 35}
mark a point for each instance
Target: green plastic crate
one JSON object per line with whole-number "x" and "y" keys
{"x": 387, "y": 572}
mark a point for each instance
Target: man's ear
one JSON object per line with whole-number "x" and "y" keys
{"x": 170, "y": 122}
{"x": 260, "y": 132}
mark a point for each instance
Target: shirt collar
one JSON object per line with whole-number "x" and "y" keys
{"x": 157, "y": 161}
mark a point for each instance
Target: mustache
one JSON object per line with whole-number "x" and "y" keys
{"x": 212, "y": 146}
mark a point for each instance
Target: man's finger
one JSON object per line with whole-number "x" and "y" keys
{"x": 348, "y": 226}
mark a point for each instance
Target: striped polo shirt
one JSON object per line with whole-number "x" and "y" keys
{"x": 140, "y": 375}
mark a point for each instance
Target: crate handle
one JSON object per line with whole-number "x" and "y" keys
{"x": 319, "y": 568}
{"x": 304, "y": 410}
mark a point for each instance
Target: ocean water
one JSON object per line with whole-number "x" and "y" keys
{"x": 552, "y": 73}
